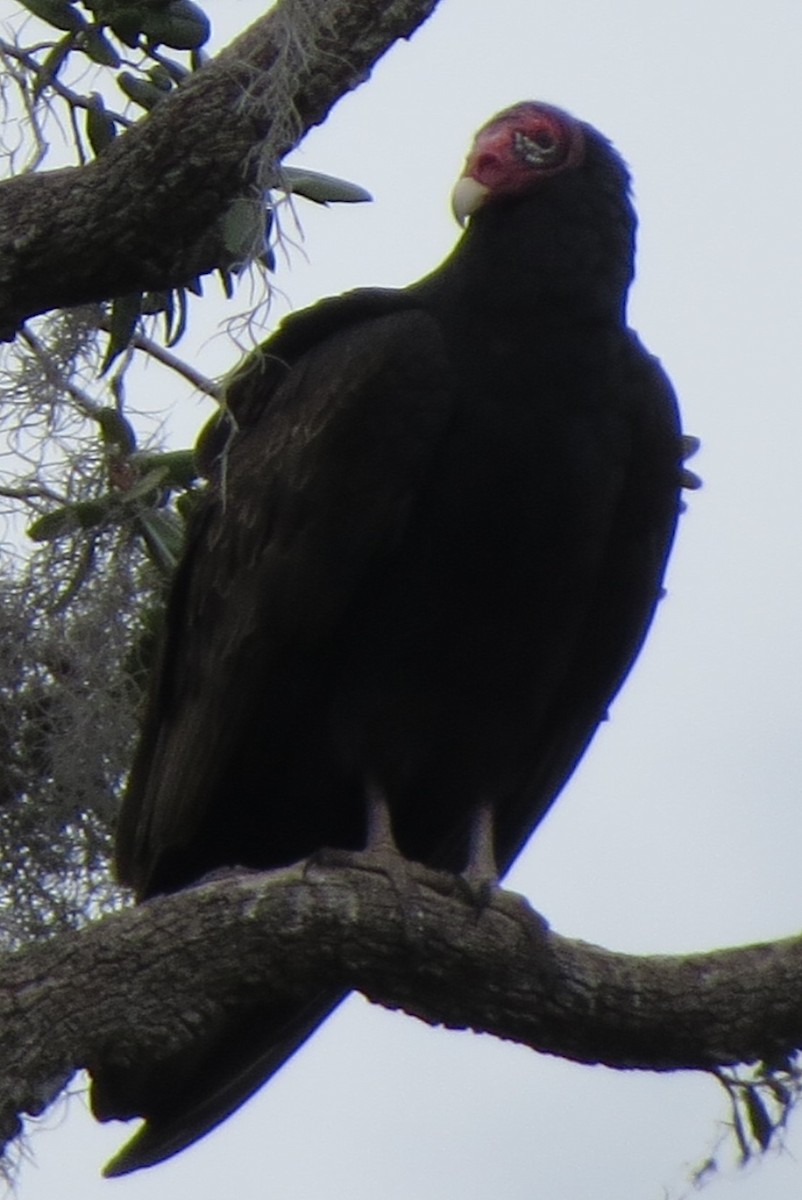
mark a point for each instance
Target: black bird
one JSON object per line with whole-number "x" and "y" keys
{"x": 426, "y": 568}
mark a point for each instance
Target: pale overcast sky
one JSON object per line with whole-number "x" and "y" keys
{"x": 682, "y": 829}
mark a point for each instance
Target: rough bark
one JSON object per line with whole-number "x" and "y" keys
{"x": 148, "y": 980}
{"x": 138, "y": 216}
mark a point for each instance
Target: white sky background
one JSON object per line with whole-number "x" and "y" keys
{"x": 682, "y": 829}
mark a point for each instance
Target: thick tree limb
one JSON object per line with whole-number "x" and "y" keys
{"x": 138, "y": 217}
{"x": 147, "y": 981}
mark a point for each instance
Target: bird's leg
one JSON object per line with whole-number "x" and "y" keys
{"x": 379, "y": 838}
{"x": 481, "y": 872}
{"x": 380, "y": 851}
{"x": 481, "y": 877}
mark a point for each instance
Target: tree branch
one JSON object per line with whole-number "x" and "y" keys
{"x": 139, "y": 216}
{"x": 147, "y": 981}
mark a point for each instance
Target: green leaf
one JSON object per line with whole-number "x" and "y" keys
{"x": 176, "y": 468}
{"x": 226, "y": 282}
{"x": 175, "y": 317}
{"x": 148, "y": 488}
{"x": 115, "y": 431}
{"x": 323, "y": 189}
{"x": 163, "y": 534}
{"x": 187, "y": 502}
{"x": 52, "y": 64}
{"x": 124, "y": 315}
{"x": 53, "y": 525}
{"x": 177, "y": 72}
{"x": 760, "y": 1123}
{"x": 85, "y": 514}
{"x": 181, "y": 26}
{"x": 90, "y": 513}
{"x": 173, "y": 305}
{"x": 160, "y": 77}
{"x": 97, "y": 46}
{"x": 141, "y": 91}
{"x": 58, "y": 13}
{"x": 125, "y": 23}
{"x": 242, "y": 229}
{"x": 781, "y": 1092}
{"x": 100, "y": 127}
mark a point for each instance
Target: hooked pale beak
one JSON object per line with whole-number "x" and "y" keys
{"x": 468, "y": 196}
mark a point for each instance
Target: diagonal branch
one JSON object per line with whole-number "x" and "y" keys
{"x": 139, "y": 216}
{"x": 147, "y": 981}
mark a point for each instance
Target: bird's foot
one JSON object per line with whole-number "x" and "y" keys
{"x": 483, "y": 894}
{"x": 388, "y": 861}
{"x": 479, "y": 886}
{"x": 378, "y": 860}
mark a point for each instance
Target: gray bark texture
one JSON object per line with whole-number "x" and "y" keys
{"x": 148, "y": 981}
{"x": 138, "y": 217}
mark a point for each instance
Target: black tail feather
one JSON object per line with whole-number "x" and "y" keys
{"x": 184, "y": 1100}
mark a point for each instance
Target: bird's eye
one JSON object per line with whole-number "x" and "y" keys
{"x": 535, "y": 149}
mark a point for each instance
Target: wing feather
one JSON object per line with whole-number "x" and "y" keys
{"x": 317, "y": 490}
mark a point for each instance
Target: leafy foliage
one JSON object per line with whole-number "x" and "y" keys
{"x": 77, "y": 621}
{"x": 69, "y": 685}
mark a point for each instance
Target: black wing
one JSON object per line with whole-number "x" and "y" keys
{"x": 314, "y": 494}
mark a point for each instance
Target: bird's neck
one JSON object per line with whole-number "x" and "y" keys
{"x": 534, "y": 257}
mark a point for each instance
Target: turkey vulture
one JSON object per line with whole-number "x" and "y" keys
{"x": 430, "y": 550}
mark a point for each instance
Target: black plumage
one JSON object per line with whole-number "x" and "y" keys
{"x": 426, "y": 561}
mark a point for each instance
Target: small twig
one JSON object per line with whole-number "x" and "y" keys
{"x": 76, "y": 135}
{"x": 40, "y": 146}
{"x": 74, "y": 99}
{"x": 202, "y": 382}
{"x": 35, "y": 492}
